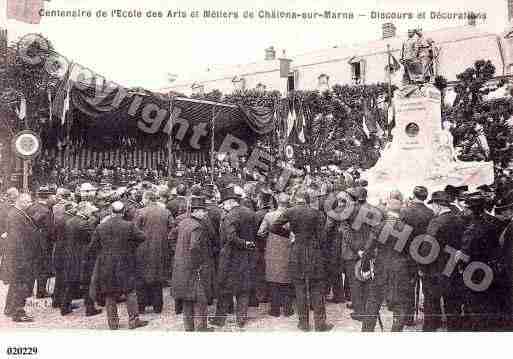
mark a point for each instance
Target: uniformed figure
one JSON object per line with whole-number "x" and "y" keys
{"x": 307, "y": 260}
{"x": 238, "y": 237}
{"x": 193, "y": 271}
{"x": 113, "y": 245}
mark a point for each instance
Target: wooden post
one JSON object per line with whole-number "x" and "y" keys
{"x": 25, "y": 176}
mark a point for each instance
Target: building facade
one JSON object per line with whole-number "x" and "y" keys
{"x": 458, "y": 48}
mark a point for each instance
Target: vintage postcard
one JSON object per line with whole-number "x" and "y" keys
{"x": 260, "y": 166}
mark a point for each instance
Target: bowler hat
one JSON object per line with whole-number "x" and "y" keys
{"x": 475, "y": 199}
{"x": 440, "y": 197}
{"x": 229, "y": 193}
{"x": 198, "y": 202}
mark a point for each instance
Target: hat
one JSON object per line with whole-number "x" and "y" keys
{"x": 440, "y": 197}
{"x": 198, "y": 202}
{"x": 475, "y": 199}
{"x": 420, "y": 192}
{"x": 44, "y": 190}
{"x": 229, "y": 193}
{"x": 455, "y": 191}
{"x": 363, "y": 272}
{"x": 484, "y": 188}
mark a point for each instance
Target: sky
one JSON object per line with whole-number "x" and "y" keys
{"x": 140, "y": 52}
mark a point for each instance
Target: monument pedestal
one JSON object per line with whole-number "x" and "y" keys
{"x": 421, "y": 152}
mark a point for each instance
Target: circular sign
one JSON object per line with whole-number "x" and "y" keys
{"x": 412, "y": 129}
{"x": 27, "y": 144}
{"x": 289, "y": 152}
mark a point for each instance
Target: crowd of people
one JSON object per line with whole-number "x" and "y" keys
{"x": 237, "y": 246}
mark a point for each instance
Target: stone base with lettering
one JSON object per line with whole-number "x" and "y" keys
{"x": 421, "y": 152}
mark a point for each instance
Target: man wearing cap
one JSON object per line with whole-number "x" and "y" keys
{"x": 114, "y": 243}
{"x": 277, "y": 260}
{"x": 238, "y": 236}
{"x": 78, "y": 264}
{"x": 193, "y": 267}
{"x": 447, "y": 228}
{"x": 417, "y": 215}
{"x": 132, "y": 204}
{"x": 178, "y": 205}
{"x": 307, "y": 261}
{"x": 152, "y": 255}
{"x": 42, "y": 216}
{"x": 20, "y": 263}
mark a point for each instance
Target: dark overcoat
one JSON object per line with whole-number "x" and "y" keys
{"x": 22, "y": 248}
{"x": 236, "y": 261}
{"x": 193, "y": 269}
{"x": 153, "y": 255}
{"x": 78, "y": 264}
{"x": 42, "y": 216}
{"x": 114, "y": 244}
{"x": 308, "y": 253}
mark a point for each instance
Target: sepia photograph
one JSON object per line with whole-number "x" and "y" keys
{"x": 270, "y": 168}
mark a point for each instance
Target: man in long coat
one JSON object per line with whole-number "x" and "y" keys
{"x": 113, "y": 244}
{"x": 307, "y": 261}
{"x": 5, "y": 207}
{"x": 238, "y": 236}
{"x": 193, "y": 270}
{"x": 19, "y": 265}
{"x": 417, "y": 215}
{"x": 42, "y": 216}
{"x": 277, "y": 260}
{"x": 78, "y": 264}
{"x": 62, "y": 213}
{"x": 155, "y": 222}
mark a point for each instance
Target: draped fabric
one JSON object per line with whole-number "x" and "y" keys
{"x": 103, "y": 116}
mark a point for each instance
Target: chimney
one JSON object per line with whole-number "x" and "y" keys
{"x": 472, "y": 19}
{"x": 389, "y": 30}
{"x": 270, "y": 53}
{"x": 510, "y": 10}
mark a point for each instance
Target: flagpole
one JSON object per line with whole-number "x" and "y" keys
{"x": 389, "y": 80}
{"x": 212, "y": 165}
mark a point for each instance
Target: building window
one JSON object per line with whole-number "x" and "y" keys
{"x": 198, "y": 89}
{"x": 357, "y": 71}
{"x": 260, "y": 87}
{"x": 323, "y": 83}
{"x": 239, "y": 83}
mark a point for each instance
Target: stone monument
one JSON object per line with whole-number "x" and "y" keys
{"x": 421, "y": 151}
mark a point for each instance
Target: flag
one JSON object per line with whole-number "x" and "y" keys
{"x": 301, "y": 124}
{"x": 393, "y": 65}
{"x": 61, "y": 101}
{"x": 25, "y": 10}
{"x": 291, "y": 119}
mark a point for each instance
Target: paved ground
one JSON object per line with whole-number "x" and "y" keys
{"x": 47, "y": 317}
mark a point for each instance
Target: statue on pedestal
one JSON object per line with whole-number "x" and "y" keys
{"x": 418, "y": 57}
